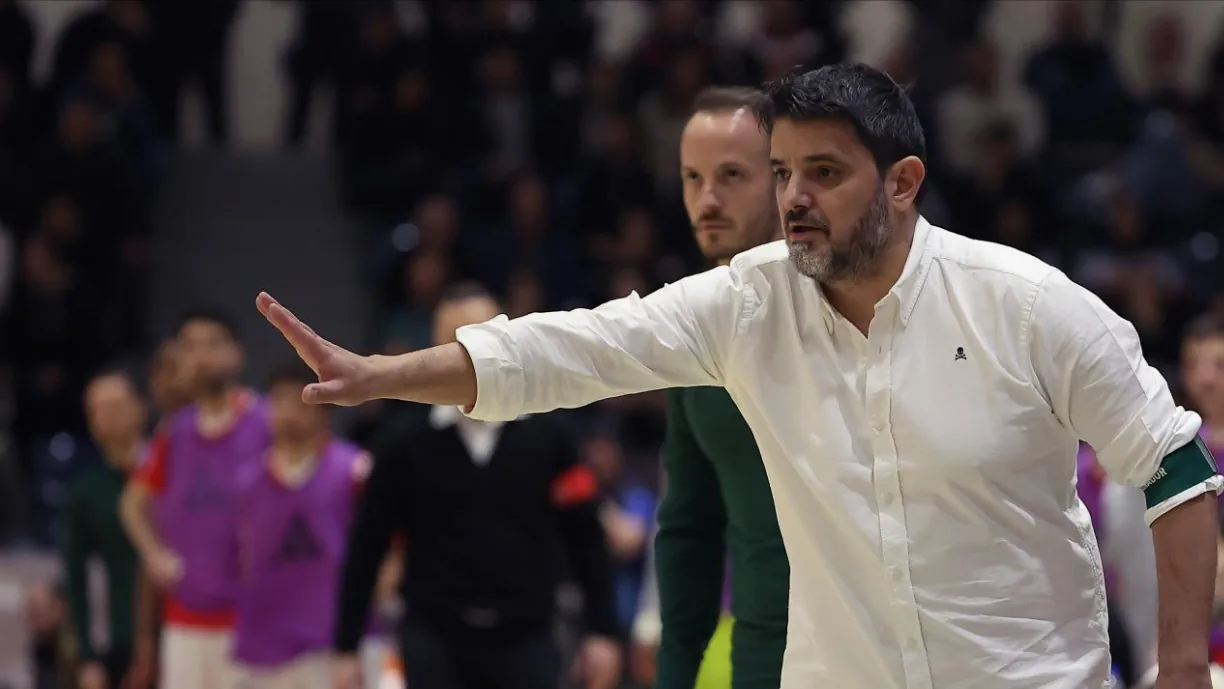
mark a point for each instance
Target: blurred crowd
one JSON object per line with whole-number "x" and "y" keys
{"x": 489, "y": 141}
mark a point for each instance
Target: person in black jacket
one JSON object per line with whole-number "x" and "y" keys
{"x": 494, "y": 516}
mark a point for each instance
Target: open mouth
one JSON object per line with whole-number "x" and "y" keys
{"x": 801, "y": 231}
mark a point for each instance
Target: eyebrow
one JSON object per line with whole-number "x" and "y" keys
{"x": 813, "y": 159}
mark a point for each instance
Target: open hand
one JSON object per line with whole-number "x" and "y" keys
{"x": 92, "y": 676}
{"x": 599, "y": 663}
{"x": 345, "y": 378}
{"x": 165, "y": 568}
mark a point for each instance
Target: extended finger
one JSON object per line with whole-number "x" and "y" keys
{"x": 308, "y": 344}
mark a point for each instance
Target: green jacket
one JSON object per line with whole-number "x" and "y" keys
{"x": 717, "y": 502}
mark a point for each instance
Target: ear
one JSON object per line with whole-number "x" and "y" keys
{"x": 904, "y": 180}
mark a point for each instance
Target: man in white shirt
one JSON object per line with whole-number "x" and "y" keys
{"x": 918, "y": 398}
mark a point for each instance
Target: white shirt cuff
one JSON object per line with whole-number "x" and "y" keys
{"x": 499, "y": 377}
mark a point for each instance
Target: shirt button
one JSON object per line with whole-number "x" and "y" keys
{"x": 879, "y": 424}
{"x": 888, "y": 498}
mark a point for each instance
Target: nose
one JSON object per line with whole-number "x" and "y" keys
{"x": 791, "y": 195}
{"x": 709, "y": 200}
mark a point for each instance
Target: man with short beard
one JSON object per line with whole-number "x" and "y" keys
{"x": 197, "y": 463}
{"x": 918, "y": 398}
{"x": 717, "y": 500}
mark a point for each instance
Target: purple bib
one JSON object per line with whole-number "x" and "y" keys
{"x": 196, "y": 514}
{"x": 292, "y": 548}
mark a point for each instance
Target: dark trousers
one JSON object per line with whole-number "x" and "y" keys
{"x": 117, "y": 661}
{"x": 436, "y": 660}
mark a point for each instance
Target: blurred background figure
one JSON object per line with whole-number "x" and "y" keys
{"x": 360, "y": 159}
{"x": 181, "y": 507}
{"x": 294, "y": 514}
{"x": 492, "y": 515}
{"x": 91, "y": 527}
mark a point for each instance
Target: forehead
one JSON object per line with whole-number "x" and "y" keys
{"x": 198, "y": 329}
{"x": 1210, "y": 345}
{"x": 469, "y": 310}
{"x": 722, "y": 136}
{"x": 109, "y": 387}
{"x": 792, "y": 141}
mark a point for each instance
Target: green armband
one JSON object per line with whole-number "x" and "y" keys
{"x": 1180, "y": 470}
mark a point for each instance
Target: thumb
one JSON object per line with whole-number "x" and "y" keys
{"x": 326, "y": 392}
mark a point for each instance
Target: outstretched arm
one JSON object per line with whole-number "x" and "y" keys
{"x": 680, "y": 335}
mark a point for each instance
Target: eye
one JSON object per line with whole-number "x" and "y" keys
{"x": 826, "y": 172}
{"x": 781, "y": 174}
{"x": 690, "y": 176}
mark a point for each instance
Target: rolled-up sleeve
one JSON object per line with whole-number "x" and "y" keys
{"x": 1089, "y": 363}
{"x": 681, "y": 335}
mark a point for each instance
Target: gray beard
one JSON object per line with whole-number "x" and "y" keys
{"x": 858, "y": 259}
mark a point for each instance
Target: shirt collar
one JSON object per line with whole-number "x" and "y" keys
{"x": 908, "y": 285}
{"x": 446, "y": 416}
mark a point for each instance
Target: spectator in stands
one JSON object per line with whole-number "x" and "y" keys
{"x": 57, "y": 341}
{"x": 398, "y": 149}
{"x": 524, "y": 294}
{"x": 611, "y": 177}
{"x": 998, "y": 172}
{"x": 490, "y": 513}
{"x": 786, "y": 42}
{"x": 1136, "y": 272}
{"x": 664, "y": 112}
{"x": 368, "y": 74}
{"x": 982, "y": 101}
{"x": 1202, "y": 369}
{"x": 319, "y": 50}
{"x": 125, "y": 21}
{"x": 123, "y": 113}
{"x": 17, "y": 141}
{"x": 1164, "y": 53}
{"x": 91, "y": 527}
{"x": 1075, "y": 78}
{"x": 16, "y": 44}
{"x": 530, "y": 239}
{"x": 511, "y": 121}
{"x": 193, "y": 39}
{"x": 410, "y": 327}
{"x": 83, "y": 162}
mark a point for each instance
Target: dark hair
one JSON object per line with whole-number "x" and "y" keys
{"x": 464, "y": 290}
{"x": 293, "y": 372}
{"x": 212, "y": 317}
{"x": 881, "y": 112}
{"x": 720, "y": 98}
{"x": 1203, "y": 327}
{"x": 116, "y": 371}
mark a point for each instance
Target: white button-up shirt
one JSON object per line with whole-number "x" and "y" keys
{"x": 924, "y": 475}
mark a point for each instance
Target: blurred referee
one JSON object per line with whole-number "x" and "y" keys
{"x": 495, "y": 515}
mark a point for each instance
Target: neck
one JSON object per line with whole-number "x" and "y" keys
{"x": 1213, "y": 417}
{"x": 121, "y": 453}
{"x": 293, "y": 450}
{"x": 856, "y": 300}
{"x": 216, "y": 403}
